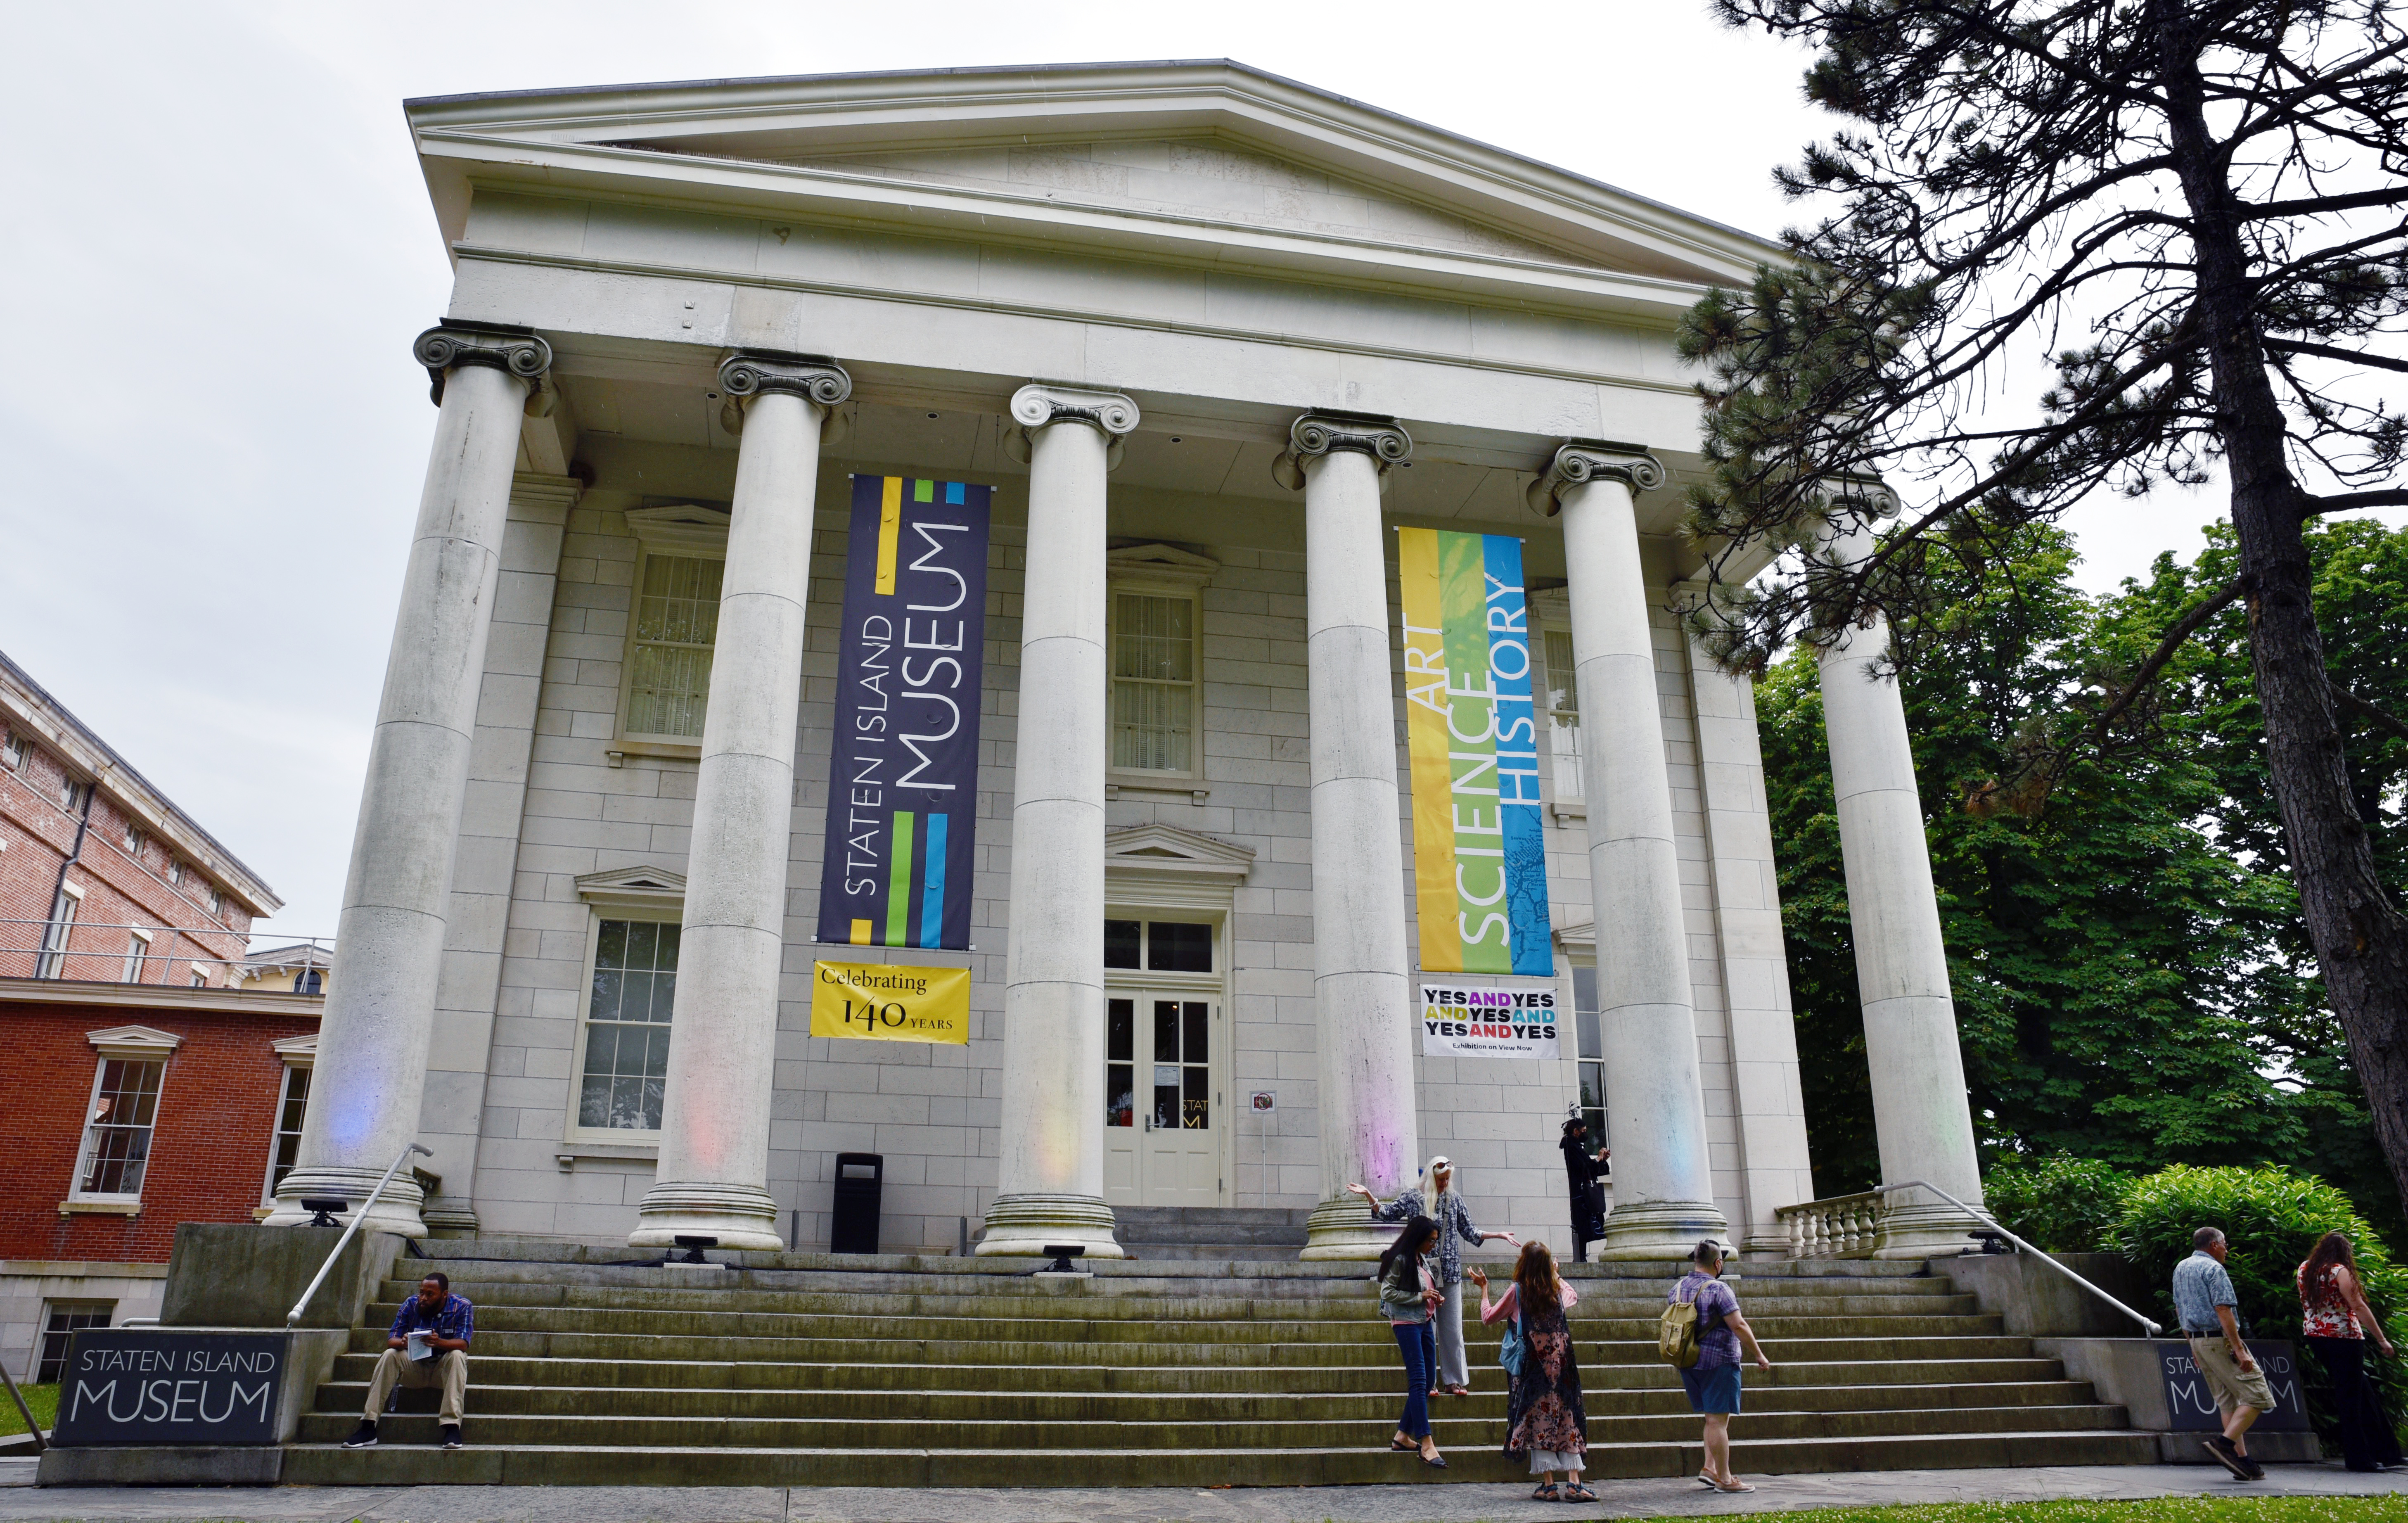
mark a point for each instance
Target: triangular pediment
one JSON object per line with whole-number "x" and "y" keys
{"x": 1183, "y": 162}
{"x": 134, "y": 1042}
{"x": 638, "y": 888}
{"x": 1162, "y": 563}
{"x": 1169, "y": 849}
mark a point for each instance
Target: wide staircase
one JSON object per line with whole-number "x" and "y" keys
{"x": 1216, "y": 1234}
{"x": 804, "y": 1369}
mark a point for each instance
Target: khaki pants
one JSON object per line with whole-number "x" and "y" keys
{"x": 448, "y": 1369}
{"x": 2234, "y": 1388}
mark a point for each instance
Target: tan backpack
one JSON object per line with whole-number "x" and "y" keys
{"x": 1676, "y": 1334}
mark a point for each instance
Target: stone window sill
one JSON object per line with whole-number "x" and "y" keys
{"x": 1116, "y": 783}
{"x": 568, "y": 1154}
{"x": 624, "y": 748}
{"x": 100, "y": 1208}
{"x": 1569, "y": 809}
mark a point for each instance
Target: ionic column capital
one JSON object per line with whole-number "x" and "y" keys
{"x": 1316, "y": 434}
{"x": 453, "y": 343}
{"x": 1040, "y": 404}
{"x": 759, "y": 371}
{"x": 1593, "y": 460}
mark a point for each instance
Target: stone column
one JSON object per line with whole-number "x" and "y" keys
{"x": 1663, "y": 1188}
{"x": 1922, "y": 1118}
{"x": 372, "y": 1042}
{"x": 1053, "y": 1164}
{"x": 714, "y": 1165}
{"x": 1361, "y": 972}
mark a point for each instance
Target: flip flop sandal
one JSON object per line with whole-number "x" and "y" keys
{"x": 1735, "y": 1488}
{"x": 1545, "y": 1493}
{"x": 1577, "y": 1493}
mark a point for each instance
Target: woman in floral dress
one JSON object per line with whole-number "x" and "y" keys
{"x": 1545, "y": 1420}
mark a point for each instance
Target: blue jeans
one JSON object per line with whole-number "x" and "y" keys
{"x": 1418, "y": 1342}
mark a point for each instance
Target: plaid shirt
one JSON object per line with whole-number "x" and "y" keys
{"x": 454, "y": 1318}
{"x": 1454, "y": 1227}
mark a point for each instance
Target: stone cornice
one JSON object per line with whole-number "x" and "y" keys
{"x": 454, "y": 342}
{"x": 760, "y": 371}
{"x": 1593, "y": 460}
{"x": 1314, "y": 434}
{"x": 158, "y": 999}
{"x": 1041, "y": 403}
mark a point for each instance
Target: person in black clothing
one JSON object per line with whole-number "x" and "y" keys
{"x": 1583, "y": 1171}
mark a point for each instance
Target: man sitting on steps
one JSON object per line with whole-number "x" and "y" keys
{"x": 427, "y": 1345}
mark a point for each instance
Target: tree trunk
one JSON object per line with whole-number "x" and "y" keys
{"x": 2360, "y": 938}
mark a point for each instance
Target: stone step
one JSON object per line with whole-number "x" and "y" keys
{"x": 1003, "y": 1430}
{"x": 1139, "y": 1219}
{"x": 1288, "y": 1352}
{"x": 1078, "y": 1325}
{"x": 1368, "y": 1402}
{"x": 1877, "y": 1380}
{"x": 922, "y": 1467}
{"x": 1051, "y": 1299}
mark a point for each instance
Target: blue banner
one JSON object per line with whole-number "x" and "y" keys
{"x": 903, "y": 774}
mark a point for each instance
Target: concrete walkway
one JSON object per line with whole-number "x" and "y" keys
{"x": 1139, "y": 1504}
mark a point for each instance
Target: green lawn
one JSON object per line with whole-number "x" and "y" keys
{"x": 2389, "y": 1509}
{"x": 43, "y": 1400}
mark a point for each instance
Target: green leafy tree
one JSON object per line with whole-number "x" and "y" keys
{"x": 2103, "y": 952}
{"x": 2061, "y": 1203}
{"x": 2208, "y": 193}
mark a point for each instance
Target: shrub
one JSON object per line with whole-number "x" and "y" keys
{"x": 2063, "y": 1203}
{"x": 2272, "y": 1217}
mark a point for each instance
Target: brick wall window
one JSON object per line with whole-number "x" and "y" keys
{"x": 12, "y": 752}
{"x": 73, "y": 793}
{"x": 176, "y": 872}
{"x": 291, "y": 1109}
{"x": 117, "y": 1139}
{"x": 63, "y": 911}
{"x": 626, "y": 1038}
{"x": 669, "y": 645}
{"x": 61, "y": 1321}
{"x": 137, "y": 958}
{"x": 217, "y": 899}
{"x": 135, "y": 840}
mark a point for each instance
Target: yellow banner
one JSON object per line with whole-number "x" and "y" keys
{"x": 887, "y": 1002}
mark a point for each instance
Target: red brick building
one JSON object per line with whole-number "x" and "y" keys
{"x": 147, "y": 1086}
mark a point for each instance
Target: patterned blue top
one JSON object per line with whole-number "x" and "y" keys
{"x": 1454, "y": 1226}
{"x": 2200, "y": 1286}
{"x": 454, "y": 1318}
{"x": 1717, "y": 1345}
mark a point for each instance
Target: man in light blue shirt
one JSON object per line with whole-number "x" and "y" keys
{"x": 2205, "y": 1304}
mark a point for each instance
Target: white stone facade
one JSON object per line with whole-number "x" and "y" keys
{"x": 1224, "y": 253}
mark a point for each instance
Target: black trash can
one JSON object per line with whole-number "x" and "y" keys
{"x": 852, "y": 1226}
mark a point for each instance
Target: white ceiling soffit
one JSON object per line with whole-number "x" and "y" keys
{"x": 704, "y": 143}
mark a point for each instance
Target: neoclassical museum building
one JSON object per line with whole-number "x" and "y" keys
{"x": 1153, "y": 589}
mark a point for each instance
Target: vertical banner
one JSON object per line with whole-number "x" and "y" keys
{"x": 1480, "y": 862}
{"x": 903, "y": 771}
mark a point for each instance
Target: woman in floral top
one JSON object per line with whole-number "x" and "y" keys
{"x": 1545, "y": 1421}
{"x": 2335, "y": 1318}
{"x": 1455, "y": 1227}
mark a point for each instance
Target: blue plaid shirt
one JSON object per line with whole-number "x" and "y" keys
{"x": 2201, "y": 1286}
{"x": 454, "y": 1318}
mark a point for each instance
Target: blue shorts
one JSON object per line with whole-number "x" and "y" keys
{"x": 1713, "y": 1390}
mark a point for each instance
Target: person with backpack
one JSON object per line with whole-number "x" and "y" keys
{"x": 1544, "y": 1418}
{"x": 1700, "y": 1335}
{"x": 1408, "y": 1296}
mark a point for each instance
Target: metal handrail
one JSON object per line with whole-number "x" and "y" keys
{"x": 1979, "y": 1214}
{"x": 358, "y": 1216}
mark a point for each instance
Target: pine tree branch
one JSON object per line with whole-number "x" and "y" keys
{"x": 2391, "y": 497}
{"x": 2372, "y": 715}
{"x": 2355, "y": 356}
{"x": 2183, "y": 629}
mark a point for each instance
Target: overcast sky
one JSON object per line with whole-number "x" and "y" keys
{"x": 218, "y": 247}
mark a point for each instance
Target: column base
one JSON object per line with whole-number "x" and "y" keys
{"x": 1342, "y": 1228}
{"x": 1925, "y": 1229}
{"x": 741, "y": 1216}
{"x": 1024, "y": 1225}
{"x": 1661, "y": 1229}
{"x": 397, "y": 1207}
